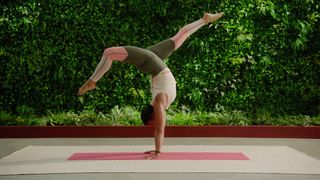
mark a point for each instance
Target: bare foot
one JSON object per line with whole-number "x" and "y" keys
{"x": 89, "y": 85}
{"x": 209, "y": 18}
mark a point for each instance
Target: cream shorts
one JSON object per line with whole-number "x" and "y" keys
{"x": 164, "y": 82}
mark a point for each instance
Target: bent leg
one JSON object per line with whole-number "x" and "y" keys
{"x": 109, "y": 55}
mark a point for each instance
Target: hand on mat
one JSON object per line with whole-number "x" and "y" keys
{"x": 150, "y": 152}
{"x": 153, "y": 156}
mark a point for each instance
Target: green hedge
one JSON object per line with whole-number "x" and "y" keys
{"x": 262, "y": 56}
{"x": 128, "y": 116}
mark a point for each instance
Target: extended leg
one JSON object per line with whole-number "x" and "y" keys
{"x": 165, "y": 48}
{"x": 109, "y": 55}
{"x": 188, "y": 29}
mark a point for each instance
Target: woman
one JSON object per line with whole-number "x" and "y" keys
{"x": 151, "y": 61}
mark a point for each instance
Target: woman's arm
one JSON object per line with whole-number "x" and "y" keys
{"x": 159, "y": 122}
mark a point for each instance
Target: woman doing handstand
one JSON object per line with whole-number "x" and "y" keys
{"x": 151, "y": 61}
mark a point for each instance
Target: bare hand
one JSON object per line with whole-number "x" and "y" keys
{"x": 152, "y": 156}
{"x": 150, "y": 152}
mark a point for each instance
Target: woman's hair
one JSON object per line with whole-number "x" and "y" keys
{"x": 146, "y": 114}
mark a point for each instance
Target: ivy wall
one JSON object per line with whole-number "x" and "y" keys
{"x": 264, "y": 55}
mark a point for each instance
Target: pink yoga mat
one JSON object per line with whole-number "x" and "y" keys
{"x": 163, "y": 156}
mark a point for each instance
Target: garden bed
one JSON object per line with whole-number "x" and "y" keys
{"x": 171, "y": 131}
